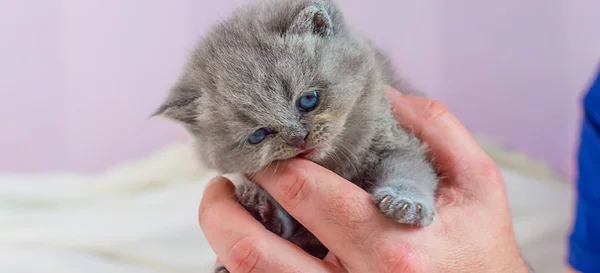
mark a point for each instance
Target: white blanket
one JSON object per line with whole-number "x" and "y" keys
{"x": 141, "y": 217}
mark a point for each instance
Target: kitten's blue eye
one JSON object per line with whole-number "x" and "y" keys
{"x": 309, "y": 101}
{"x": 259, "y": 135}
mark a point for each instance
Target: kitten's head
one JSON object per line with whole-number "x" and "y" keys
{"x": 277, "y": 80}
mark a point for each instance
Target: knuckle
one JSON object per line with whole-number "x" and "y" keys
{"x": 356, "y": 212}
{"x": 295, "y": 191}
{"x": 244, "y": 255}
{"x": 352, "y": 213}
{"x": 434, "y": 109}
{"x": 395, "y": 257}
{"x": 489, "y": 170}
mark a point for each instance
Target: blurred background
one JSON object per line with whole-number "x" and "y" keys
{"x": 79, "y": 79}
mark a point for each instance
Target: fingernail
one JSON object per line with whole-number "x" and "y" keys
{"x": 392, "y": 93}
{"x": 215, "y": 180}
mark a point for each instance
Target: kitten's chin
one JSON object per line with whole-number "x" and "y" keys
{"x": 317, "y": 155}
{"x": 307, "y": 153}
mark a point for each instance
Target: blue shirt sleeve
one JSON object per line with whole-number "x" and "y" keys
{"x": 584, "y": 242}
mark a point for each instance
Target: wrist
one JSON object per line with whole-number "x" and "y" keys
{"x": 504, "y": 263}
{"x": 509, "y": 262}
{"x": 513, "y": 263}
{"x": 520, "y": 266}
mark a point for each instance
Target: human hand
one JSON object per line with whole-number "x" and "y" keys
{"x": 472, "y": 233}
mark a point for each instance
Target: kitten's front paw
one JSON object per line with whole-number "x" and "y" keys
{"x": 256, "y": 201}
{"x": 220, "y": 269}
{"x": 404, "y": 207}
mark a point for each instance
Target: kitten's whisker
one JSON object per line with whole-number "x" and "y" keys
{"x": 276, "y": 166}
{"x": 345, "y": 150}
{"x": 262, "y": 173}
{"x": 337, "y": 160}
{"x": 349, "y": 151}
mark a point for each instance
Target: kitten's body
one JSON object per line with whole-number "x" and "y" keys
{"x": 249, "y": 72}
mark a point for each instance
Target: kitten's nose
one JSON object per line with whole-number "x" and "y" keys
{"x": 299, "y": 140}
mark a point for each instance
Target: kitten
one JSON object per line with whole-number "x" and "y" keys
{"x": 287, "y": 78}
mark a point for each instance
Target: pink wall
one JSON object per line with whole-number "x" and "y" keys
{"x": 79, "y": 78}
{"x": 514, "y": 70}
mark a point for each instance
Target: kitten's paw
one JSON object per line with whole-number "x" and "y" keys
{"x": 404, "y": 207}
{"x": 257, "y": 201}
{"x": 220, "y": 269}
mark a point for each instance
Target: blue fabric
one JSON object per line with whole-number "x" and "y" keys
{"x": 584, "y": 243}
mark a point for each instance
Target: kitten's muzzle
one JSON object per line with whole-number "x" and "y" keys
{"x": 299, "y": 141}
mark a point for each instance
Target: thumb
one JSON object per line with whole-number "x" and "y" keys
{"x": 457, "y": 154}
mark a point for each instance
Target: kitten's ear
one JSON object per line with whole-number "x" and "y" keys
{"x": 181, "y": 105}
{"x": 314, "y": 19}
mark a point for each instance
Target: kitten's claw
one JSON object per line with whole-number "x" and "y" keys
{"x": 385, "y": 200}
{"x": 404, "y": 208}
{"x": 401, "y": 213}
{"x": 220, "y": 269}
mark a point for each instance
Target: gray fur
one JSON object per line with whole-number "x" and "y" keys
{"x": 248, "y": 73}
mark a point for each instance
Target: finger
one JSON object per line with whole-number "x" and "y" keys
{"x": 219, "y": 267}
{"x": 242, "y": 243}
{"x": 457, "y": 154}
{"x": 340, "y": 214}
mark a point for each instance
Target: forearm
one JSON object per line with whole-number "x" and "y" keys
{"x": 584, "y": 243}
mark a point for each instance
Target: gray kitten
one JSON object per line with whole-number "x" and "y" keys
{"x": 287, "y": 78}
